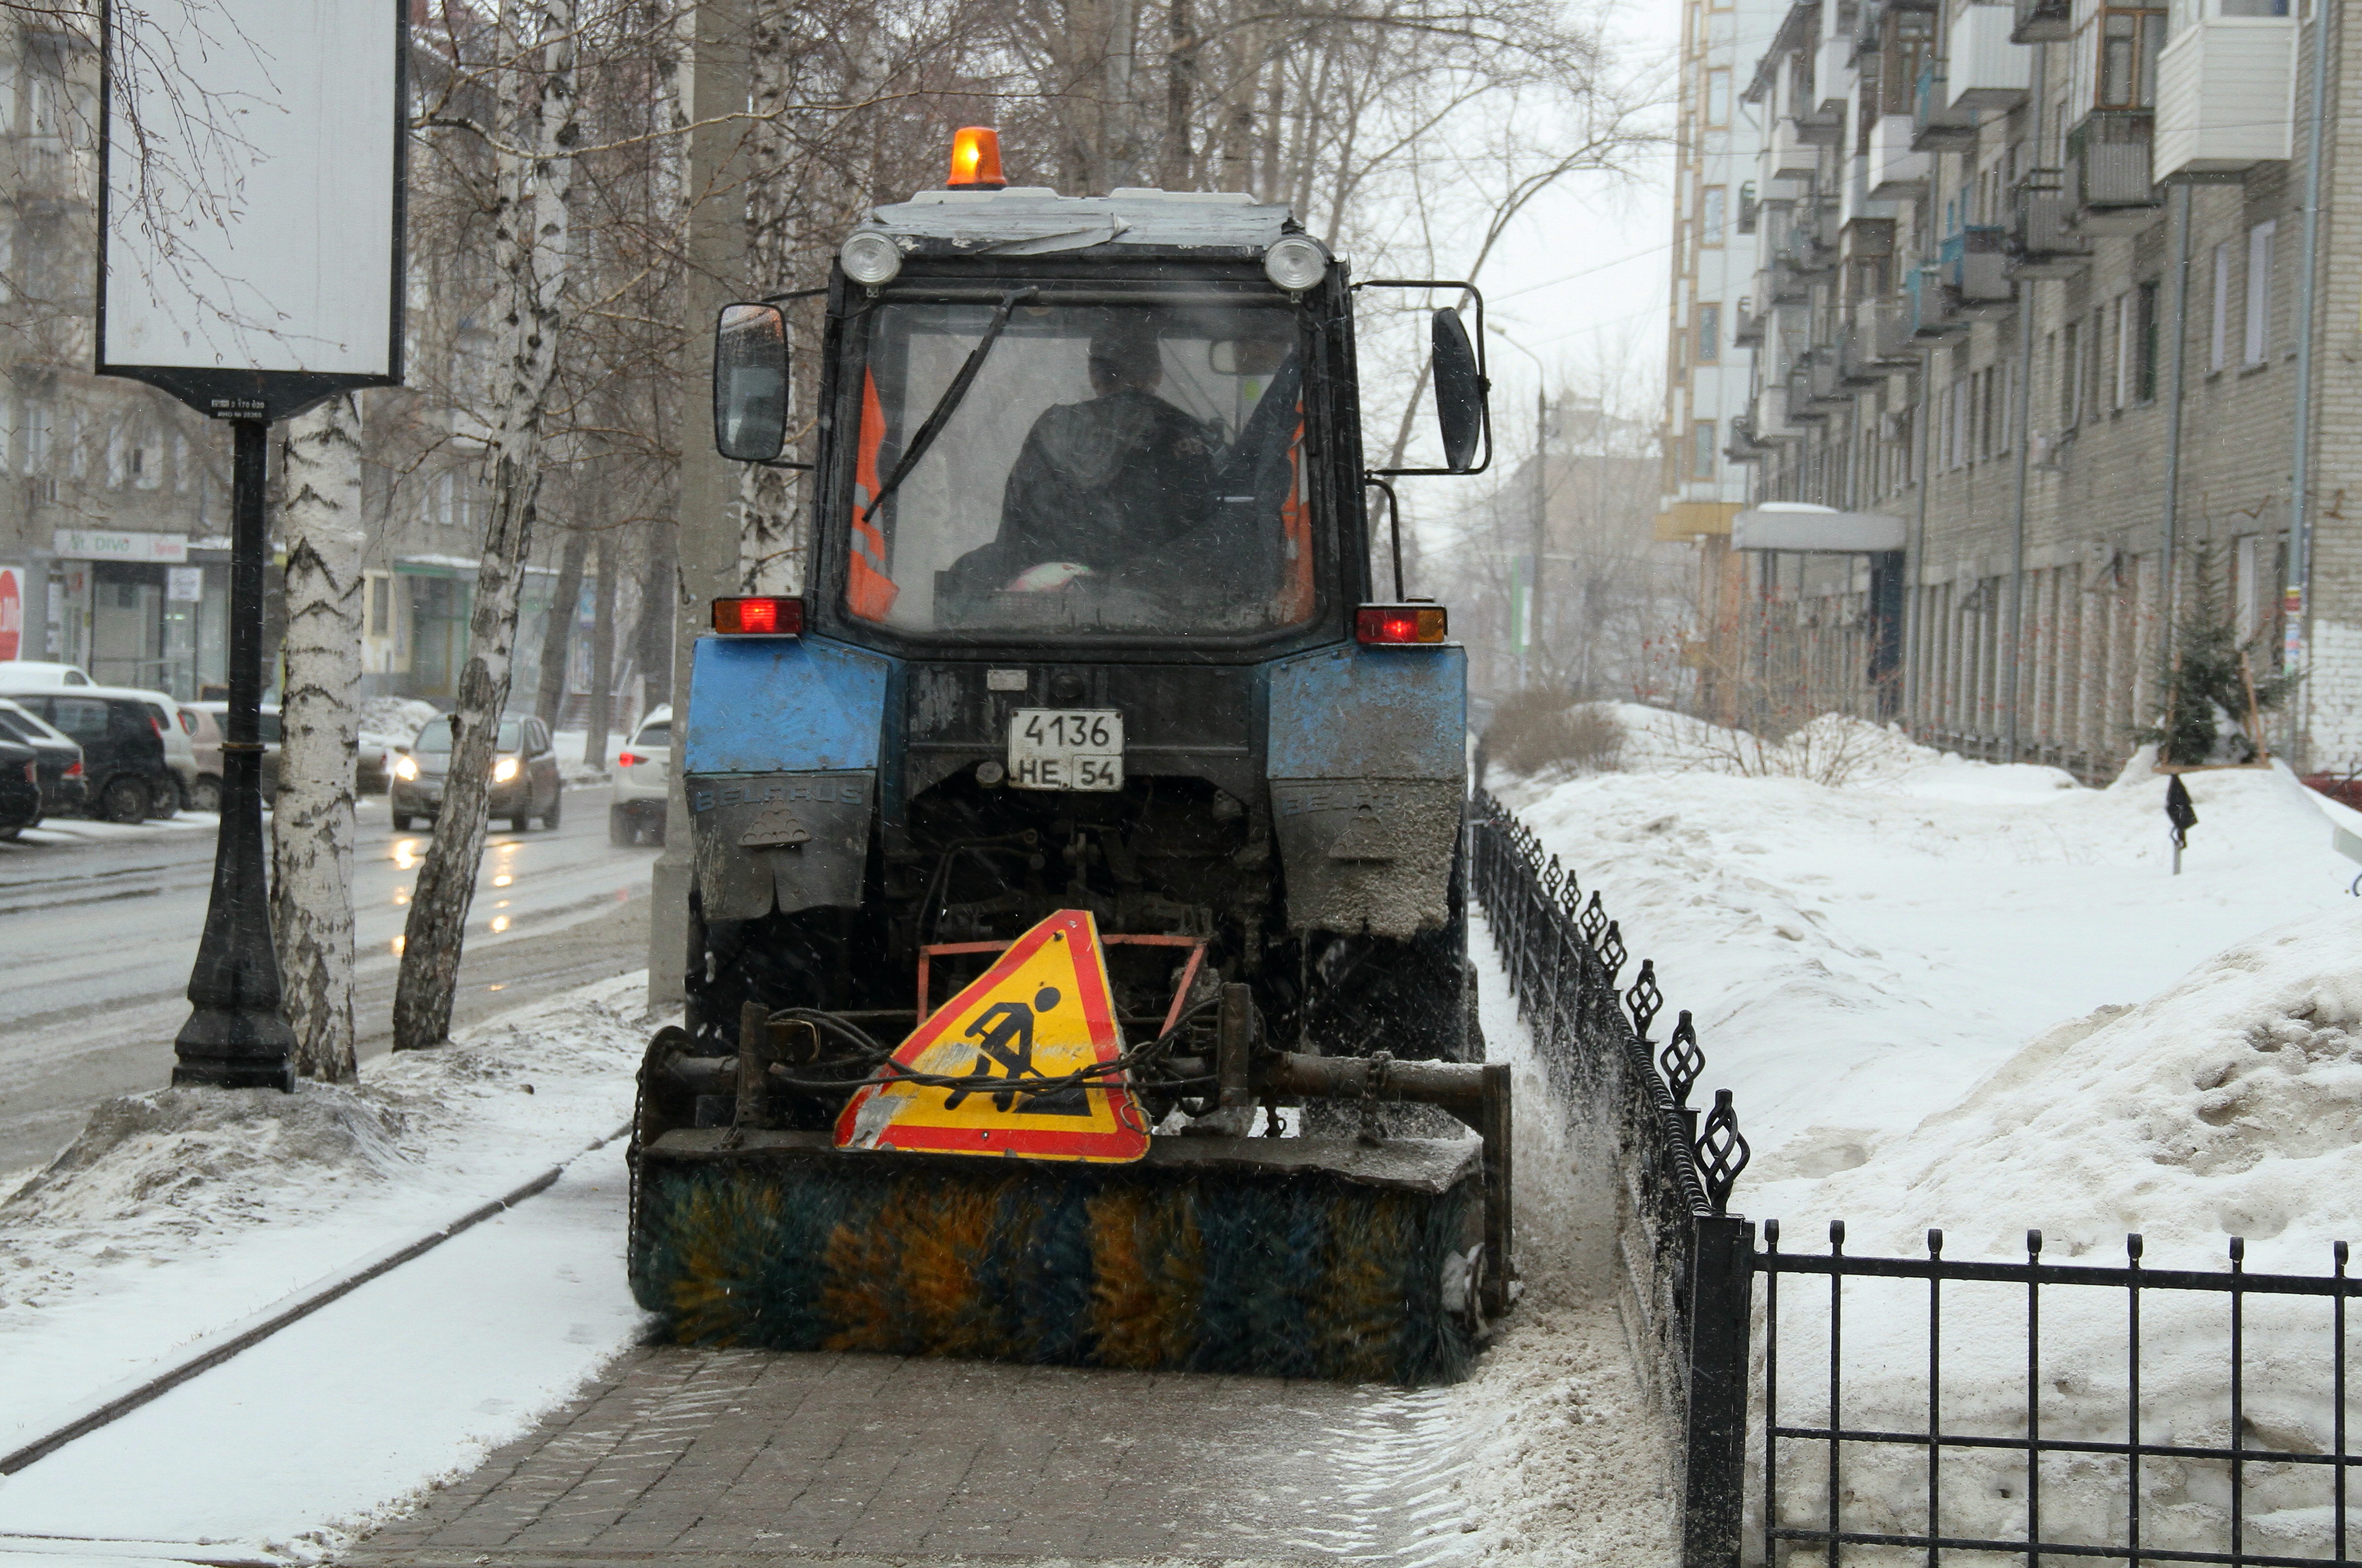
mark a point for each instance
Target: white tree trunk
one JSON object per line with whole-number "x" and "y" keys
{"x": 312, "y": 818}
{"x": 530, "y": 241}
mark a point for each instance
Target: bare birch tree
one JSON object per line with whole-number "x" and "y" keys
{"x": 537, "y": 132}
{"x": 311, "y": 817}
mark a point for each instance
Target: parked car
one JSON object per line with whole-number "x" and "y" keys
{"x": 526, "y": 781}
{"x": 642, "y": 770}
{"x": 59, "y": 759}
{"x": 267, "y": 721}
{"x": 374, "y": 760}
{"x": 33, "y": 675}
{"x": 20, "y": 788}
{"x": 125, "y": 775}
{"x": 205, "y": 740}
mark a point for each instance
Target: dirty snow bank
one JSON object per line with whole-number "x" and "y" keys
{"x": 180, "y": 1211}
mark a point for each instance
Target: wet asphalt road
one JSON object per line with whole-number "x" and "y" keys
{"x": 97, "y": 936}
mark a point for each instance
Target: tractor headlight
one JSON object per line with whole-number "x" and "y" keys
{"x": 405, "y": 767}
{"x": 1294, "y": 263}
{"x": 504, "y": 769}
{"x": 870, "y": 258}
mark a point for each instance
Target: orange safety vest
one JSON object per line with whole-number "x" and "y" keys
{"x": 869, "y": 588}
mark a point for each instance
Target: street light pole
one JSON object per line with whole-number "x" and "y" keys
{"x": 238, "y": 1038}
{"x": 1529, "y": 653}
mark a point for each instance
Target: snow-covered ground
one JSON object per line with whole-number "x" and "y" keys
{"x": 177, "y": 1217}
{"x": 1958, "y": 995}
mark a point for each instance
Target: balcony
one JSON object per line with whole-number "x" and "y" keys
{"x": 1824, "y": 378}
{"x": 43, "y": 173}
{"x": 1748, "y": 324}
{"x": 2043, "y": 240}
{"x": 1894, "y": 172}
{"x": 1824, "y": 126}
{"x": 2223, "y": 97}
{"x": 1935, "y": 125}
{"x": 1802, "y": 408}
{"x": 1972, "y": 263}
{"x": 1772, "y": 424}
{"x": 1749, "y": 209}
{"x": 1744, "y": 445}
{"x": 1985, "y": 70}
{"x": 1790, "y": 156}
{"x": 2114, "y": 193}
{"x": 1933, "y": 311}
{"x": 1877, "y": 341}
{"x": 2044, "y": 21}
{"x": 1781, "y": 283}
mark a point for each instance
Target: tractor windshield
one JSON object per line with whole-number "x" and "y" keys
{"x": 1110, "y": 468}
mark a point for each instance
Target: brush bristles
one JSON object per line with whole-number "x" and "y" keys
{"x": 1304, "y": 1276}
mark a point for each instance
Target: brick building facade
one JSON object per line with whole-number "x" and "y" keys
{"x": 2033, "y": 279}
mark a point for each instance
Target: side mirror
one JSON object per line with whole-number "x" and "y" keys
{"x": 750, "y": 382}
{"x": 1460, "y": 390}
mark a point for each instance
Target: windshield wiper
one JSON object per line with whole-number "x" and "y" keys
{"x": 941, "y": 414}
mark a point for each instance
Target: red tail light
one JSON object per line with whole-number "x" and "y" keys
{"x": 759, "y": 617}
{"x": 75, "y": 770}
{"x": 627, "y": 759}
{"x": 1394, "y": 625}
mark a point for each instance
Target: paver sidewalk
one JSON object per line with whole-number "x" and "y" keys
{"x": 706, "y": 1457}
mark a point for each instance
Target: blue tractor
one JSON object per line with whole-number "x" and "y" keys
{"x": 1092, "y": 622}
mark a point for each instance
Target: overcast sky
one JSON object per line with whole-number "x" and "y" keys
{"x": 1582, "y": 280}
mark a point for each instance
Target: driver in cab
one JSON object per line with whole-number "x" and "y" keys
{"x": 1103, "y": 485}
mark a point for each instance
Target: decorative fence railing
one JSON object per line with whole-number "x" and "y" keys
{"x": 1683, "y": 1258}
{"x": 2093, "y": 1461}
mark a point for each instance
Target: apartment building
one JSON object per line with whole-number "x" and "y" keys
{"x": 2032, "y": 280}
{"x": 1718, "y": 139}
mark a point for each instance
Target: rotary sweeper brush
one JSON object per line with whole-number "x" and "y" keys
{"x": 1086, "y": 825}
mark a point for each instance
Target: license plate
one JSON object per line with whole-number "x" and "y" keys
{"x": 1065, "y": 748}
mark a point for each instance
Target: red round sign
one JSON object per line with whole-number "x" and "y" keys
{"x": 12, "y": 613}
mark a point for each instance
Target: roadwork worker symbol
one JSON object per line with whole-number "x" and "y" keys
{"x": 1042, "y": 1012}
{"x": 1007, "y": 1041}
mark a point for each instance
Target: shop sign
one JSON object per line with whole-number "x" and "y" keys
{"x": 12, "y": 611}
{"x": 184, "y": 584}
{"x": 105, "y": 544}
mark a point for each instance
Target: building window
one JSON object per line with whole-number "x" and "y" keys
{"x": 1713, "y": 212}
{"x": 1702, "y": 456}
{"x": 2259, "y": 291}
{"x": 1709, "y": 334}
{"x": 2070, "y": 375}
{"x": 2120, "y": 391}
{"x": 2218, "y": 347}
{"x": 1717, "y": 98}
{"x": 2144, "y": 345}
{"x": 380, "y": 613}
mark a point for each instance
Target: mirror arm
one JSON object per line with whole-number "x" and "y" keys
{"x": 792, "y": 294}
{"x": 784, "y": 463}
{"x": 1394, "y": 517}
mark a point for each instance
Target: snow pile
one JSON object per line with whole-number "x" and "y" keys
{"x": 1950, "y": 994}
{"x": 398, "y": 719}
{"x": 180, "y": 1211}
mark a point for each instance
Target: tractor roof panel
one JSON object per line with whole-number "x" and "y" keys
{"x": 1036, "y": 221}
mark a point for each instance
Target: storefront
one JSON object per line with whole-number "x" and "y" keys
{"x": 146, "y": 610}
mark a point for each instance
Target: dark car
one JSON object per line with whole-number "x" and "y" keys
{"x": 125, "y": 776}
{"x": 526, "y": 781}
{"x": 58, "y": 758}
{"x": 21, "y": 788}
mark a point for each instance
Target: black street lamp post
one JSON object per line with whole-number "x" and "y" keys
{"x": 238, "y": 1038}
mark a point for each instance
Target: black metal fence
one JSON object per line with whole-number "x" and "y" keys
{"x": 2051, "y": 1478}
{"x": 1683, "y": 1257}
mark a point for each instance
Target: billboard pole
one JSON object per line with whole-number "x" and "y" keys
{"x": 236, "y": 1037}
{"x": 251, "y": 314}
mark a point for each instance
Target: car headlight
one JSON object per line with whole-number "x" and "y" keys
{"x": 1294, "y": 263}
{"x": 870, "y": 258}
{"x": 504, "y": 769}
{"x": 406, "y": 768}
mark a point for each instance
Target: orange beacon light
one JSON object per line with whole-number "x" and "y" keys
{"x": 976, "y": 160}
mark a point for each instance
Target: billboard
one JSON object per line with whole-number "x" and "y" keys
{"x": 250, "y": 257}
